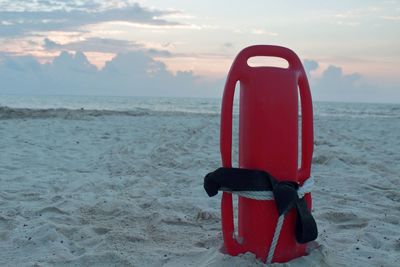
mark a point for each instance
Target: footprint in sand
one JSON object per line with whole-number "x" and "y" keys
{"x": 397, "y": 245}
{"x": 53, "y": 210}
{"x": 345, "y": 220}
{"x": 205, "y": 216}
{"x": 6, "y": 225}
{"x": 373, "y": 241}
{"x": 101, "y": 230}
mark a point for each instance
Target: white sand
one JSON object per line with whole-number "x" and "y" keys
{"x": 126, "y": 189}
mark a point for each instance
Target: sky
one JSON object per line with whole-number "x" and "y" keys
{"x": 350, "y": 48}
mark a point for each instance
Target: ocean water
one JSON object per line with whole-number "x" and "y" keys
{"x": 113, "y": 103}
{"x": 10, "y": 104}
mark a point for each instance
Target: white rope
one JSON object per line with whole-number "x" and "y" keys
{"x": 268, "y": 195}
{"x": 257, "y": 195}
{"x": 274, "y": 242}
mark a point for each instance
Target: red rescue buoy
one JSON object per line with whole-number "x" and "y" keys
{"x": 268, "y": 141}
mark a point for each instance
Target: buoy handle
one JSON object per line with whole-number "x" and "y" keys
{"x": 228, "y": 228}
{"x": 241, "y": 65}
{"x": 307, "y": 128}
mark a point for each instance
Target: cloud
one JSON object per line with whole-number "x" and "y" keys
{"x": 67, "y": 62}
{"x": 158, "y": 53}
{"x": 48, "y": 5}
{"x": 310, "y": 65}
{"x": 72, "y": 15}
{"x": 136, "y": 73}
{"x": 263, "y": 32}
{"x": 228, "y": 45}
{"x": 132, "y": 73}
{"x": 49, "y": 44}
{"x": 94, "y": 44}
{"x": 334, "y": 85}
{"x": 391, "y": 18}
{"x": 104, "y": 45}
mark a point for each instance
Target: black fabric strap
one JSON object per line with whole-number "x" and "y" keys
{"x": 285, "y": 195}
{"x": 237, "y": 179}
{"x": 306, "y": 227}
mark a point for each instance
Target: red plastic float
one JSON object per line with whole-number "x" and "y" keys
{"x": 269, "y": 141}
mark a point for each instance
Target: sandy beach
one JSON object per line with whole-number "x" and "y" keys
{"x": 113, "y": 188}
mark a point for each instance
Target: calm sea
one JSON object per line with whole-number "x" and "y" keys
{"x": 186, "y": 105}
